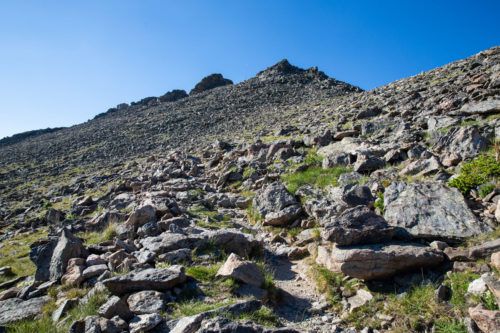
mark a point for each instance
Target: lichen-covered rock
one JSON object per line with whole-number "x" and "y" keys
{"x": 431, "y": 211}
{"x": 276, "y": 205}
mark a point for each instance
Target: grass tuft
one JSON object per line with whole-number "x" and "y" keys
{"x": 314, "y": 176}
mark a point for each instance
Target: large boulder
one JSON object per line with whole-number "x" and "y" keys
{"x": 68, "y": 246}
{"x": 491, "y": 106}
{"x": 357, "y": 225}
{"x": 276, "y": 205}
{"x": 15, "y": 309}
{"x": 487, "y": 320}
{"x": 51, "y": 256}
{"x": 148, "y": 279}
{"x": 377, "y": 261}
{"x": 229, "y": 240}
{"x": 430, "y": 211}
{"x": 460, "y": 143}
{"x": 210, "y": 82}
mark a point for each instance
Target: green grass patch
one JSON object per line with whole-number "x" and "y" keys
{"x": 264, "y": 316}
{"x": 15, "y": 253}
{"x": 96, "y": 237}
{"x": 194, "y": 307}
{"x": 203, "y": 273}
{"x": 314, "y": 176}
{"x": 459, "y": 282}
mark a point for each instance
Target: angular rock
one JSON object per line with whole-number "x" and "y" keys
{"x": 115, "y": 306}
{"x": 431, "y": 211}
{"x": 377, "y": 261}
{"x": 147, "y": 301}
{"x": 368, "y": 163}
{"x": 141, "y": 216}
{"x": 357, "y": 225}
{"x": 67, "y": 247}
{"x": 148, "y": 279}
{"x": 241, "y": 270}
{"x": 487, "y": 320}
{"x": 491, "y": 106}
{"x": 144, "y": 323}
{"x": 276, "y": 206}
{"x": 460, "y": 143}
{"x": 93, "y": 271}
{"x": 63, "y": 308}
{"x": 361, "y": 298}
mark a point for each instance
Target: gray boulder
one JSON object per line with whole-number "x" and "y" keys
{"x": 148, "y": 279}
{"x": 460, "y": 143}
{"x": 358, "y": 225}
{"x": 377, "y": 261}
{"x": 51, "y": 256}
{"x": 147, "y": 301}
{"x": 144, "y": 323}
{"x": 67, "y": 247}
{"x": 276, "y": 205}
{"x": 491, "y": 106}
{"x": 115, "y": 306}
{"x": 14, "y": 309}
{"x": 430, "y": 211}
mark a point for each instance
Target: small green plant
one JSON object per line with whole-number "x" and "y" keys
{"x": 253, "y": 214}
{"x": 379, "y": 202}
{"x": 448, "y": 325}
{"x": 314, "y": 176}
{"x": 312, "y": 158}
{"x": 481, "y": 170}
{"x": 248, "y": 172}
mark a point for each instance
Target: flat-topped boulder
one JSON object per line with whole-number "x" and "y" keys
{"x": 15, "y": 309}
{"x": 148, "y": 279}
{"x": 378, "y": 261}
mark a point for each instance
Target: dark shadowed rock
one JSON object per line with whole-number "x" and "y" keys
{"x": 173, "y": 95}
{"x": 430, "y": 210}
{"x": 358, "y": 225}
{"x": 210, "y": 82}
{"x": 148, "y": 279}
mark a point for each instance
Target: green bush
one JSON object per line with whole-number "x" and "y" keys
{"x": 479, "y": 171}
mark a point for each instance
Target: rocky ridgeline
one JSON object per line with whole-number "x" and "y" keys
{"x": 360, "y": 211}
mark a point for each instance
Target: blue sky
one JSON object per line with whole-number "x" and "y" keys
{"x": 62, "y": 62}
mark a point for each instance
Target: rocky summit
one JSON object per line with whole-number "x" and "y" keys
{"x": 289, "y": 202}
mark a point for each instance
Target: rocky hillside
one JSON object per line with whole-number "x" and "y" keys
{"x": 290, "y": 202}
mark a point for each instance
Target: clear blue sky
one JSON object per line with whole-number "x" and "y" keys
{"x": 62, "y": 62}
